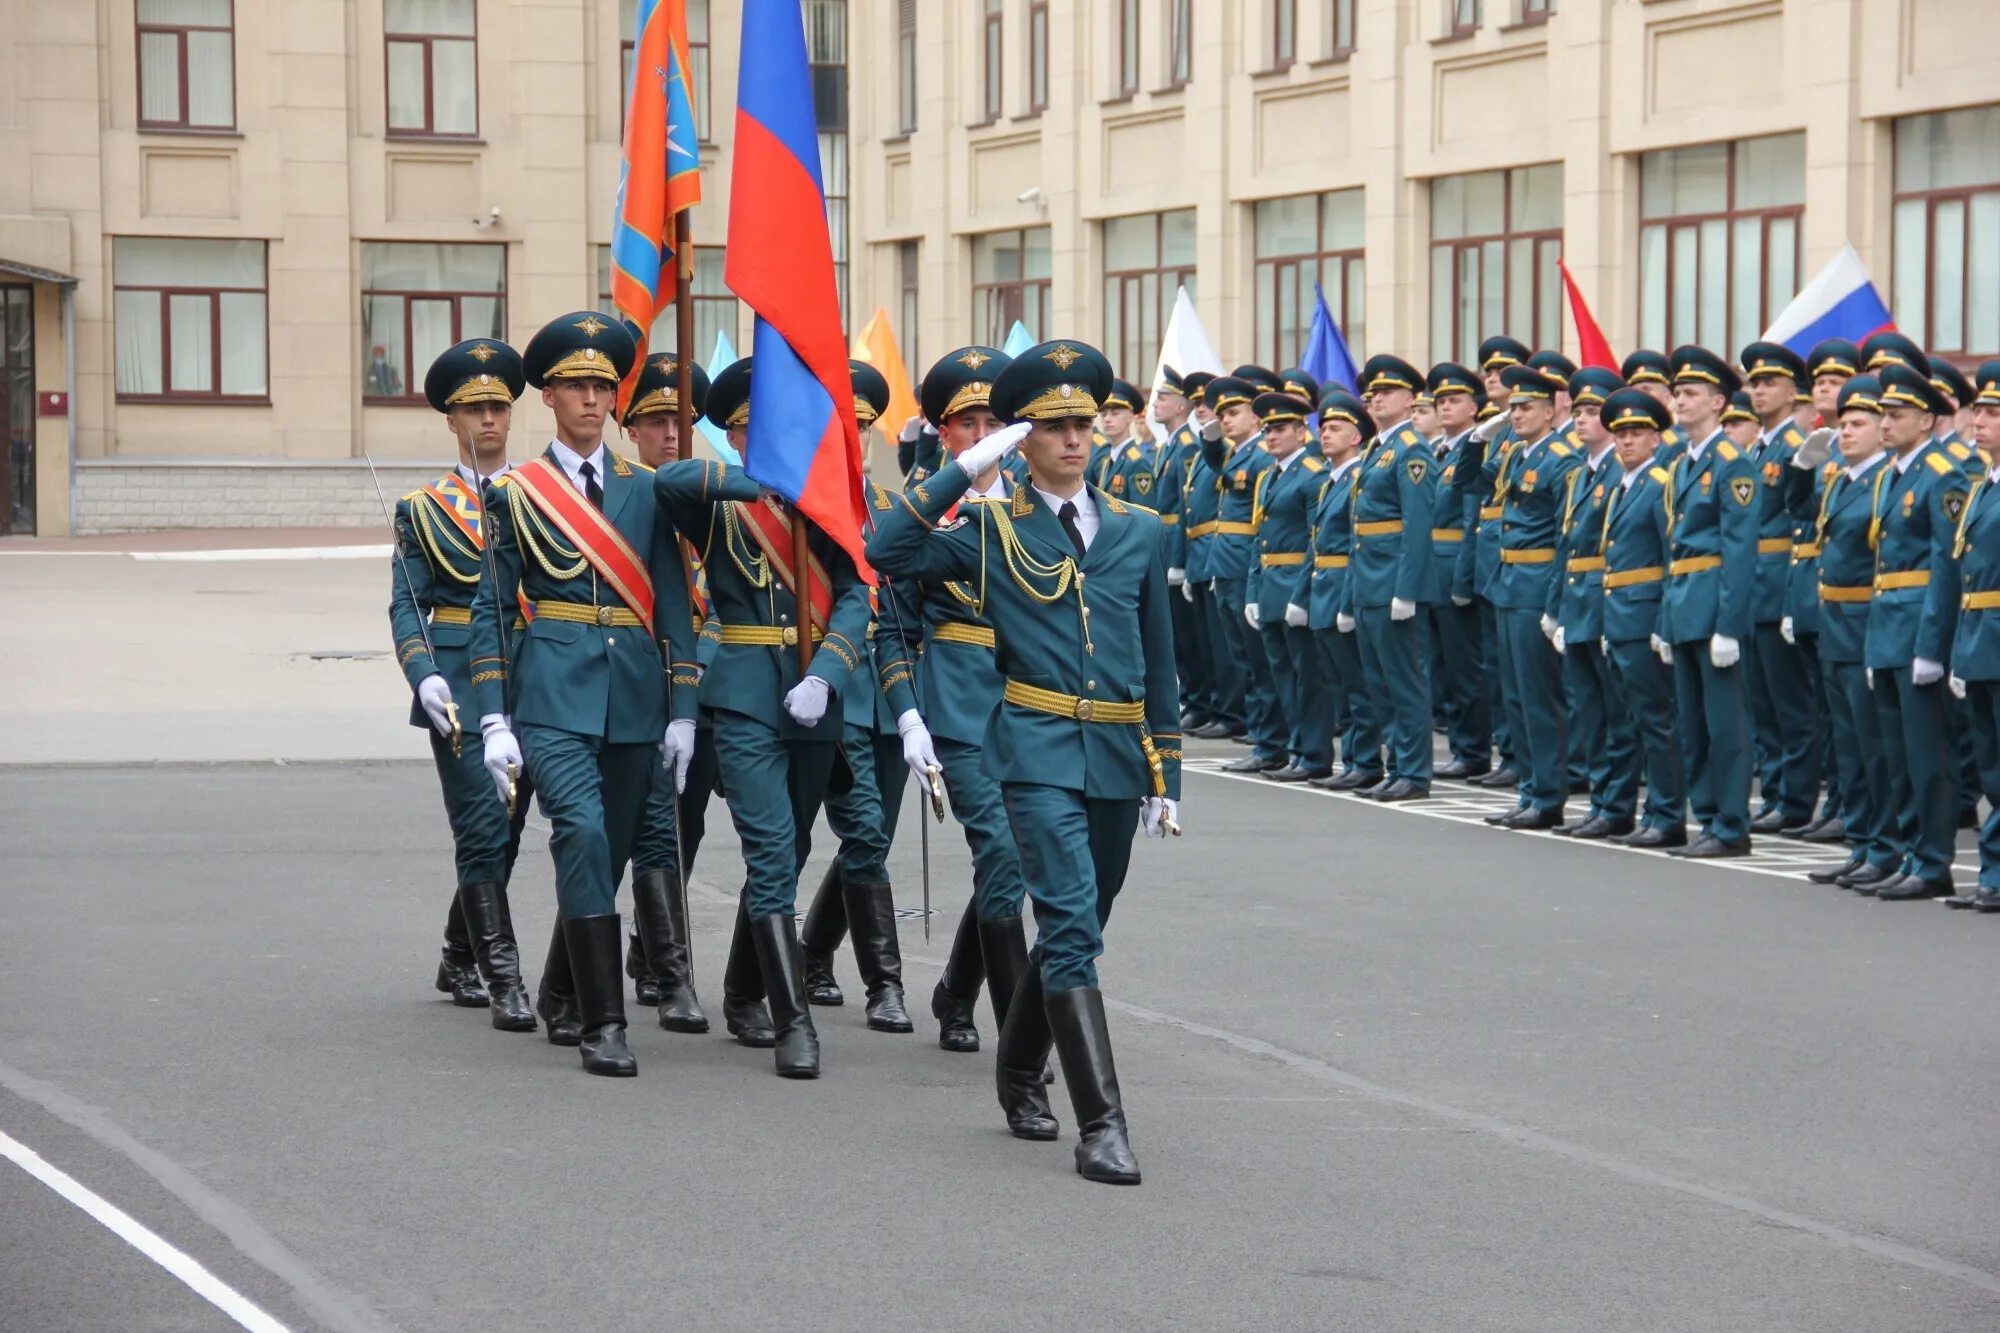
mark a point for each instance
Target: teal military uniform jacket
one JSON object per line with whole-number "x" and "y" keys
{"x": 1963, "y": 454}
{"x": 1494, "y": 471}
{"x": 1457, "y": 511}
{"x": 1775, "y": 522}
{"x": 747, "y": 592}
{"x": 442, "y": 559}
{"x": 1102, "y": 632}
{"x": 1284, "y": 534}
{"x": 1395, "y": 499}
{"x": 1170, "y": 474}
{"x": 1805, "y": 494}
{"x": 1916, "y": 513}
{"x": 1332, "y": 548}
{"x": 1233, "y": 554}
{"x": 1201, "y": 502}
{"x": 1844, "y": 532}
{"x": 1535, "y": 486}
{"x": 1712, "y": 531}
{"x": 1635, "y": 556}
{"x": 1576, "y": 596}
{"x": 1975, "y": 653}
{"x": 592, "y": 679}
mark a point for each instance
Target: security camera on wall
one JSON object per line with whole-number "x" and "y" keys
{"x": 492, "y": 218}
{"x": 1031, "y": 195}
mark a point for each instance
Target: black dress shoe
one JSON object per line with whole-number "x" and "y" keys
{"x": 1986, "y": 901}
{"x": 1402, "y": 789}
{"x": 1353, "y": 779}
{"x": 1657, "y": 839}
{"x": 1504, "y": 776}
{"x": 1708, "y": 847}
{"x": 1290, "y": 773}
{"x": 878, "y": 955}
{"x": 1210, "y": 731}
{"x": 1600, "y": 826}
{"x": 1249, "y": 763}
{"x": 1909, "y": 888}
{"x": 1768, "y": 822}
{"x": 460, "y": 980}
{"x": 1834, "y": 874}
{"x": 1800, "y": 829}
{"x": 1501, "y": 818}
{"x": 1529, "y": 820}
{"x": 1830, "y": 829}
{"x": 1969, "y": 818}
{"x": 1963, "y": 902}
{"x": 1566, "y": 829}
{"x": 1865, "y": 880}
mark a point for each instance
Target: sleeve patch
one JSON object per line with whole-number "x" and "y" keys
{"x": 1954, "y": 505}
{"x": 1744, "y": 489}
{"x": 1416, "y": 468}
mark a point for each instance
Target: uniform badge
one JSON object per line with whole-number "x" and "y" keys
{"x": 1772, "y": 471}
{"x": 1242, "y": 477}
{"x": 1706, "y": 479}
{"x": 1744, "y": 489}
{"x": 1954, "y": 505}
{"x": 1117, "y": 485}
{"x": 952, "y": 526}
{"x": 1528, "y": 480}
{"x": 1449, "y": 468}
{"x": 1909, "y": 502}
{"x": 1415, "y": 467}
{"x": 1143, "y": 482}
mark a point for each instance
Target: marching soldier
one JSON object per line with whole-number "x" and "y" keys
{"x": 1084, "y": 743}
{"x": 1845, "y": 532}
{"x": 577, "y": 536}
{"x": 1635, "y": 567}
{"x": 1344, "y": 427}
{"x": 1975, "y": 657}
{"x": 438, "y": 557}
{"x": 1201, "y": 489}
{"x": 1459, "y": 690}
{"x": 1233, "y": 447}
{"x": 1496, "y": 433}
{"x": 1919, "y": 496}
{"x": 777, "y": 737}
{"x": 1284, "y": 542}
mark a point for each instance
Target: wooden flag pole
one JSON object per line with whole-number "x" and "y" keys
{"x": 802, "y": 577}
{"x": 684, "y": 332}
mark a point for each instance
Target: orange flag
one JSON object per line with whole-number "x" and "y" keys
{"x": 876, "y": 344}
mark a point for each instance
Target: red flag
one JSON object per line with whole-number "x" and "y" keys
{"x": 1593, "y": 348}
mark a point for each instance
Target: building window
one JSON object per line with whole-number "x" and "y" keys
{"x": 1145, "y": 258}
{"x": 1303, "y": 240}
{"x": 1284, "y": 33}
{"x": 697, "y": 21}
{"x": 187, "y": 65}
{"x": 826, "y": 55}
{"x": 1465, "y": 17}
{"x": 190, "y": 319}
{"x": 417, "y": 300}
{"x": 906, "y": 66}
{"x": 432, "y": 49}
{"x": 1339, "y": 29}
{"x": 1038, "y": 56}
{"x": 989, "y": 56}
{"x": 907, "y": 310}
{"x": 1718, "y": 240}
{"x": 715, "y": 306}
{"x": 17, "y": 409}
{"x": 1010, "y": 281}
{"x": 1128, "y": 47}
{"x": 1180, "y": 42}
{"x": 1947, "y": 231}
{"x": 1496, "y": 237}
{"x": 1537, "y": 11}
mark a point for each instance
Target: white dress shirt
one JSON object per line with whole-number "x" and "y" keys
{"x": 572, "y": 463}
{"x": 1865, "y": 466}
{"x": 1086, "y": 511}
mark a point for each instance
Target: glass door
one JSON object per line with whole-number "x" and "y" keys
{"x": 17, "y": 409}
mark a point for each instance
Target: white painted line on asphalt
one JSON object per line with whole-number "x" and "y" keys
{"x": 141, "y": 1238}
{"x": 270, "y": 553}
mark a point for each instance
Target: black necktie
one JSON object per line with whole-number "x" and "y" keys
{"x": 591, "y": 490}
{"x": 1067, "y": 516}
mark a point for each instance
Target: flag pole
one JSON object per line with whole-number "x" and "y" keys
{"x": 802, "y": 581}
{"x": 684, "y": 332}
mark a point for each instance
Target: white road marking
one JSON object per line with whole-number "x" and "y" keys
{"x": 271, "y": 553}
{"x": 146, "y": 1241}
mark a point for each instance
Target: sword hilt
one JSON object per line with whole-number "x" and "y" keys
{"x": 457, "y": 735}
{"x": 513, "y": 788}
{"x": 1170, "y": 824}
{"x": 936, "y": 793}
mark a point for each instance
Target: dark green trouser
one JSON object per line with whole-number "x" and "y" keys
{"x": 774, "y": 787}
{"x": 594, "y": 794}
{"x": 1075, "y": 851}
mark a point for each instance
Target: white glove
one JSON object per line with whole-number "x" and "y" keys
{"x": 995, "y": 447}
{"x": 1549, "y": 628}
{"x": 501, "y": 750}
{"x": 1295, "y": 615}
{"x": 1604, "y": 646}
{"x": 677, "y": 749}
{"x": 1401, "y": 610}
{"x": 1461, "y": 601}
{"x": 918, "y": 752}
{"x": 1344, "y": 623}
{"x": 806, "y": 701}
{"x": 1212, "y": 430}
{"x": 1250, "y": 616}
{"x": 1561, "y": 640}
{"x": 1923, "y": 671}
{"x": 1187, "y": 593}
{"x": 911, "y": 430}
{"x": 1487, "y": 429}
{"x": 1176, "y": 577}
{"x": 1957, "y": 684}
{"x": 1664, "y": 649}
{"x": 1815, "y": 451}
{"x": 435, "y": 696}
{"x": 1787, "y": 630}
{"x": 1724, "y": 652}
{"x": 1150, "y": 811}
{"x": 1868, "y": 674}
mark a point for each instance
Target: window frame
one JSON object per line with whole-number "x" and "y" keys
{"x": 908, "y": 107}
{"x": 1931, "y": 199}
{"x": 1270, "y": 269}
{"x": 1730, "y": 216}
{"x": 1534, "y": 12}
{"x": 179, "y": 31}
{"x": 1283, "y": 51}
{"x": 909, "y": 301}
{"x": 17, "y": 492}
{"x": 413, "y": 395}
{"x": 1463, "y": 18}
{"x": 1131, "y": 284}
{"x": 992, "y": 62}
{"x": 1038, "y": 57}
{"x": 1180, "y": 43}
{"x": 1023, "y": 285}
{"x": 1335, "y": 8}
{"x": 214, "y": 395}
{"x": 1506, "y": 237}
{"x": 1125, "y": 51}
{"x": 428, "y": 41}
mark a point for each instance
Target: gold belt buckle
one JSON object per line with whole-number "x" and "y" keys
{"x": 1083, "y": 710}
{"x": 790, "y": 636}
{"x": 604, "y": 615}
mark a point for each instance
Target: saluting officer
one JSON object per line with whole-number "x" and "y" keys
{"x": 1085, "y": 743}
{"x": 1284, "y": 544}
{"x": 438, "y": 556}
{"x": 1344, "y": 428}
{"x": 1458, "y": 685}
{"x": 1975, "y": 656}
{"x": 577, "y": 535}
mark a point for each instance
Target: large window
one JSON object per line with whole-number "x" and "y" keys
{"x": 432, "y": 48}
{"x": 1284, "y": 33}
{"x": 1465, "y": 17}
{"x": 190, "y": 319}
{"x": 1038, "y": 56}
{"x": 1718, "y": 240}
{"x": 1010, "y": 281}
{"x": 990, "y": 29}
{"x": 907, "y": 310}
{"x": 1180, "y": 41}
{"x": 697, "y": 20}
{"x": 17, "y": 408}
{"x": 715, "y": 306}
{"x": 1496, "y": 237}
{"x": 1339, "y": 29}
{"x": 1145, "y": 258}
{"x": 187, "y": 65}
{"x": 906, "y": 66}
{"x": 1303, "y": 240}
{"x": 417, "y": 300}
{"x": 1947, "y": 233}
{"x": 826, "y": 55}
{"x": 1128, "y": 47}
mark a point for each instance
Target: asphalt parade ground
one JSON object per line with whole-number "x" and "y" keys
{"x": 1387, "y": 1069}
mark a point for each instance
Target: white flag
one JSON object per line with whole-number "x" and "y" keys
{"x": 1186, "y": 348}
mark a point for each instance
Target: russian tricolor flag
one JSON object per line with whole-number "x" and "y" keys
{"x": 1842, "y": 302}
{"x": 803, "y": 442}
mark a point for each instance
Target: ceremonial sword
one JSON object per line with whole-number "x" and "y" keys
{"x": 410, "y": 587}
{"x": 491, "y": 575}
{"x": 934, "y": 787}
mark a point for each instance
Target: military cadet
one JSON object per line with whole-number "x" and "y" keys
{"x": 1168, "y": 474}
{"x": 1114, "y": 430}
{"x": 1344, "y": 428}
{"x": 1975, "y": 654}
{"x": 1085, "y": 745}
{"x": 1957, "y": 392}
{"x": 437, "y": 562}
{"x": 1707, "y": 610}
{"x": 1458, "y": 681}
{"x": 1496, "y": 435}
{"x": 576, "y": 534}
{"x": 880, "y": 726}
{"x": 777, "y": 735}
{"x": 657, "y": 959}
{"x": 1555, "y": 366}
{"x": 1201, "y": 491}
{"x": 1423, "y": 416}
{"x": 1635, "y": 567}
{"x": 1845, "y": 531}
{"x": 1393, "y": 576}
{"x": 1600, "y": 733}
{"x": 1919, "y": 496}
{"x": 1784, "y": 715}
{"x": 1290, "y": 490}
{"x": 1532, "y": 486}
{"x": 1233, "y": 447}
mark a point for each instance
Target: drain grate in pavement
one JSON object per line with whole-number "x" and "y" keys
{"x": 344, "y": 655}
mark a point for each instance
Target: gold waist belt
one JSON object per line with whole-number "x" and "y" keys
{"x": 1232, "y": 528}
{"x": 1330, "y": 562}
{"x": 1387, "y": 527}
{"x": 1981, "y": 601}
{"x": 1540, "y": 555}
{"x": 582, "y": 613}
{"x": 766, "y": 636}
{"x": 1068, "y": 705}
{"x": 1861, "y": 593}
{"x": 1905, "y": 578}
{"x": 1626, "y": 578}
{"x": 1447, "y": 534}
{"x": 1272, "y": 559}
{"x": 1201, "y": 529}
{"x": 957, "y": 631}
{"x": 1171, "y": 520}
{"x": 1805, "y": 551}
{"x": 1774, "y": 546}
{"x": 1490, "y": 513}
{"x": 1695, "y": 564}
{"x": 1586, "y": 564}
{"x": 451, "y": 615}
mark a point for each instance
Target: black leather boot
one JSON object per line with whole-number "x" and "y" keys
{"x": 645, "y": 985}
{"x": 1022, "y": 1056}
{"x": 499, "y": 958}
{"x": 743, "y": 1011}
{"x": 1004, "y": 946}
{"x": 878, "y": 955}
{"x": 956, "y": 991}
{"x": 1076, "y": 1017}
{"x": 826, "y": 924}
{"x": 458, "y": 971}
{"x": 656, "y": 907}
{"x": 784, "y": 982}
{"x": 556, "y": 1002}
{"x": 600, "y": 995}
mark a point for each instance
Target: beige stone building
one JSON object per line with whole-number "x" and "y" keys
{"x": 233, "y": 232}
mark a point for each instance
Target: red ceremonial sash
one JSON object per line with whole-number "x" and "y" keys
{"x": 771, "y": 528}
{"x": 590, "y": 532}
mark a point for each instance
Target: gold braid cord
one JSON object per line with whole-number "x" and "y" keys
{"x": 538, "y": 541}
{"x": 1026, "y": 571}
{"x": 750, "y": 561}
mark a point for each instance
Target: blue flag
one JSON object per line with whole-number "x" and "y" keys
{"x": 725, "y": 356}
{"x": 1326, "y": 358}
{"x": 1018, "y": 340}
